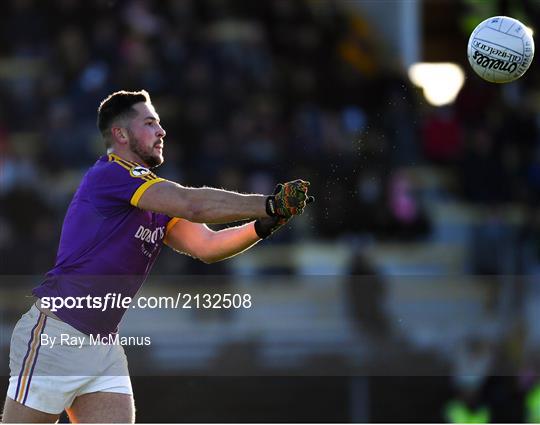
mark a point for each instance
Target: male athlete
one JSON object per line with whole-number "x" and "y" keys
{"x": 114, "y": 229}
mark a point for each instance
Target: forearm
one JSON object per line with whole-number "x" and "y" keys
{"x": 229, "y": 242}
{"x": 220, "y": 206}
{"x": 202, "y": 205}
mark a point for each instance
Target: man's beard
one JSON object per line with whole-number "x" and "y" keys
{"x": 150, "y": 160}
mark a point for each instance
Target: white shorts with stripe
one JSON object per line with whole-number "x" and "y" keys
{"x": 48, "y": 378}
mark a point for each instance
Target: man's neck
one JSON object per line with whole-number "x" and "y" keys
{"x": 126, "y": 156}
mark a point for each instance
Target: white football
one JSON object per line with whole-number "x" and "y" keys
{"x": 500, "y": 49}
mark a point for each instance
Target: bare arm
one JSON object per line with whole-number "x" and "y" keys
{"x": 207, "y": 245}
{"x": 201, "y": 205}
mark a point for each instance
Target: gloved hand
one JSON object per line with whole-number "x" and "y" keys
{"x": 288, "y": 199}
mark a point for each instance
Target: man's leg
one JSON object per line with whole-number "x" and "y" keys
{"x": 102, "y": 407}
{"x": 17, "y": 413}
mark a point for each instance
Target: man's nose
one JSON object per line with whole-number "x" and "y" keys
{"x": 161, "y": 132}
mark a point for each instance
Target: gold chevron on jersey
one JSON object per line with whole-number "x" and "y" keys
{"x": 135, "y": 170}
{"x": 119, "y": 161}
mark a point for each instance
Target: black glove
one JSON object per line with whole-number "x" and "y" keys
{"x": 265, "y": 226}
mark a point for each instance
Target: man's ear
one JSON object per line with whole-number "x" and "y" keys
{"x": 119, "y": 134}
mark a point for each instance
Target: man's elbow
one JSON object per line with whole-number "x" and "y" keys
{"x": 207, "y": 250}
{"x": 209, "y": 259}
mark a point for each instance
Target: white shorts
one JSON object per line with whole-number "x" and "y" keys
{"x": 48, "y": 377}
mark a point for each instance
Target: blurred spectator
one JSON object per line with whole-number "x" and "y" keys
{"x": 493, "y": 245}
{"x": 365, "y": 294}
{"x": 442, "y": 136}
{"x": 483, "y": 176}
{"x": 472, "y": 366}
{"x": 405, "y": 217}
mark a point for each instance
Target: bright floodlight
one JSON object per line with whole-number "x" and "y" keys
{"x": 441, "y": 82}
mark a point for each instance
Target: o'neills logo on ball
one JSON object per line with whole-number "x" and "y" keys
{"x": 495, "y": 51}
{"x": 490, "y": 63}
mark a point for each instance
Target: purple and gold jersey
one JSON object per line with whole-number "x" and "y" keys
{"x": 108, "y": 245}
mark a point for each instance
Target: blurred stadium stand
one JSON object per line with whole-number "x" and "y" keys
{"x": 425, "y": 235}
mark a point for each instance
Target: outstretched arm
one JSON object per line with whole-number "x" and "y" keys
{"x": 208, "y": 205}
{"x": 202, "y": 205}
{"x": 198, "y": 241}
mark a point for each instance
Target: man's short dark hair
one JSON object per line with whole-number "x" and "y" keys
{"x": 118, "y": 105}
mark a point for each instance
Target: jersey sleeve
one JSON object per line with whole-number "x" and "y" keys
{"x": 120, "y": 186}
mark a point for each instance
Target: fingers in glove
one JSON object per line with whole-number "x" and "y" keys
{"x": 278, "y": 188}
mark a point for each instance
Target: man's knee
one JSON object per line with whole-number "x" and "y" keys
{"x": 103, "y": 407}
{"x": 15, "y": 412}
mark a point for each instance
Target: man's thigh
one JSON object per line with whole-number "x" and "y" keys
{"x": 102, "y": 407}
{"x": 17, "y": 413}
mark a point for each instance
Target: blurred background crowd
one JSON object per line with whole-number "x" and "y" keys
{"x": 426, "y": 221}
